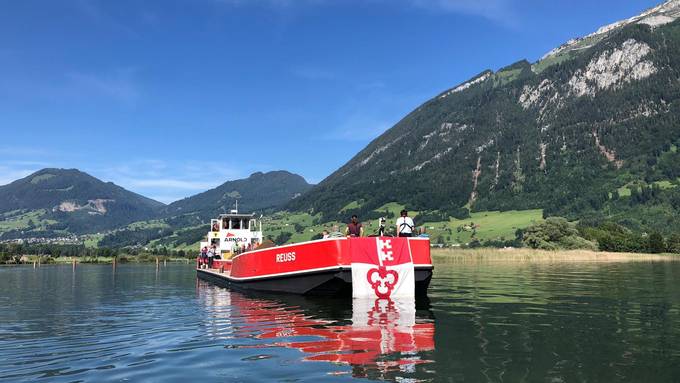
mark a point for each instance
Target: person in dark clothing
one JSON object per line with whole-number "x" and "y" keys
{"x": 381, "y": 227}
{"x": 354, "y": 228}
{"x": 204, "y": 257}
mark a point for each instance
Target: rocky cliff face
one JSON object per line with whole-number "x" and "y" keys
{"x": 557, "y": 134}
{"x": 662, "y": 14}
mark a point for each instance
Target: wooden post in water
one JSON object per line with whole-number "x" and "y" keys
{"x": 34, "y": 264}
{"x": 38, "y": 261}
{"x": 157, "y": 263}
{"x": 165, "y": 262}
{"x": 114, "y": 263}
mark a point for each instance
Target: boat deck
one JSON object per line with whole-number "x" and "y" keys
{"x": 217, "y": 272}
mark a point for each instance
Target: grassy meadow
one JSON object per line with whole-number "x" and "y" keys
{"x": 300, "y": 227}
{"x": 487, "y": 225}
{"x": 491, "y": 225}
{"x": 24, "y": 220}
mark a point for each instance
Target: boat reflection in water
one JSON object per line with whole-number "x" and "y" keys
{"x": 379, "y": 339}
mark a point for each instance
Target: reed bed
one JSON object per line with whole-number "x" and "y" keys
{"x": 486, "y": 255}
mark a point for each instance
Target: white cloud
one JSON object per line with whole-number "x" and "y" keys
{"x": 165, "y": 198}
{"x": 167, "y": 183}
{"x": 312, "y": 73}
{"x": 94, "y": 10}
{"x": 22, "y": 152}
{"x": 18, "y": 162}
{"x": 10, "y": 174}
{"x": 358, "y": 128}
{"x": 118, "y": 84}
{"x": 497, "y": 10}
{"x": 171, "y": 180}
{"x": 273, "y": 3}
{"x": 501, "y": 11}
{"x": 374, "y": 109}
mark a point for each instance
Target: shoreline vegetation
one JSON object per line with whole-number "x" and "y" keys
{"x": 526, "y": 255}
{"x": 439, "y": 256}
{"x": 121, "y": 259}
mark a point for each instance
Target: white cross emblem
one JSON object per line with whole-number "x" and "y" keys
{"x": 384, "y": 250}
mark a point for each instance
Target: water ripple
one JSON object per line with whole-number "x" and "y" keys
{"x": 495, "y": 323}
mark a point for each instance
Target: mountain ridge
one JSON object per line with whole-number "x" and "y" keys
{"x": 256, "y": 192}
{"x": 72, "y": 201}
{"x": 60, "y": 203}
{"x": 183, "y": 222}
{"x": 554, "y": 135}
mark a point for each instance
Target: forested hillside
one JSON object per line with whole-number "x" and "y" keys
{"x": 589, "y": 131}
{"x": 183, "y": 222}
{"x": 61, "y": 202}
{"x": 257, "y": 192}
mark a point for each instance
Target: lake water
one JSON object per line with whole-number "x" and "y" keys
{"x": 506, "y": 322}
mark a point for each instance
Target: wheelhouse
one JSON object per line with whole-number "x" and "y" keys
{"x": 233, "y": 233}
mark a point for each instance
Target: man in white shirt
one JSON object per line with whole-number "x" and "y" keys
{"x": 405, "y": 225}
{"x": 211, "y": 255}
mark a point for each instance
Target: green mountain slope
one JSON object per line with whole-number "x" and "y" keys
{"x": 257, "y": 192}
{"x": 184, "y": 221}
{"x": 594, "y": 115}
{"x": 53, "y": 202}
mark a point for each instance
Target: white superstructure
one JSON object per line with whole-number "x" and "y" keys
{"x": 234, "y": 232}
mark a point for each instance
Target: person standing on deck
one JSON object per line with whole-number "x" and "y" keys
{"x": 204, "y": 257}
{"x": 354, "y": 228}
{"x": 211, "y": 255}
{"x": 405, "y": 225}
{"x": 381, "y": 227}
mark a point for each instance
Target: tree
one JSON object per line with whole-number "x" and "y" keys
{"x": 655, "y": 243}
{"x": 555, "y": 233}
{"x": 634, "y": 195}
{"x": 673, "y": 244}
{"x": 282, "y": 238}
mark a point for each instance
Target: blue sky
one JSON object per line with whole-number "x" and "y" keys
{"x": 170, "y": 98}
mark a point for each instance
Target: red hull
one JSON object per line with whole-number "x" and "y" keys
{"x": 322, "y": 266}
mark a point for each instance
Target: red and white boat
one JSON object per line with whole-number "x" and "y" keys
{"x": 322, "y": 266}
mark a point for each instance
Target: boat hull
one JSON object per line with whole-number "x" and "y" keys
{"x": 311, "y": 268}
{"x": 328, "y": 282}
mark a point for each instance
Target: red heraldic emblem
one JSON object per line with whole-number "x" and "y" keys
{"x": 382, "y": 281}
{"x": 382, "y": 268}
